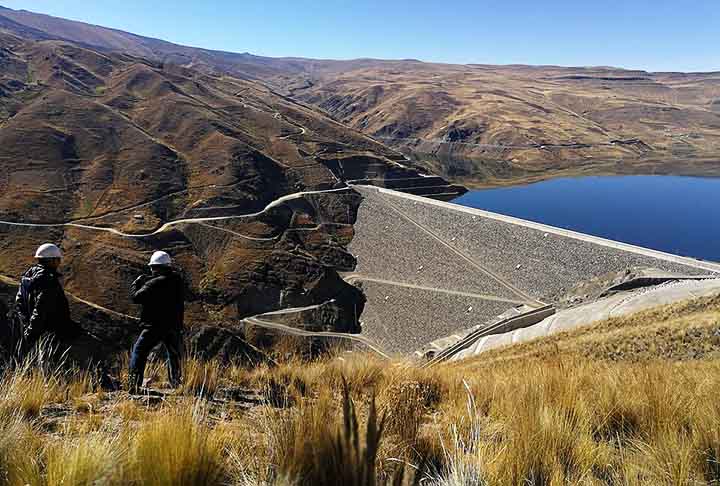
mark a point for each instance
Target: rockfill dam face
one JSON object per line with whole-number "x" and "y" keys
{"x": 431, "y": 270}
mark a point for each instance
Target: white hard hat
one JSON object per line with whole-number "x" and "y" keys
{"x": 160, "y": 258}
{"x": 48, "y": 250}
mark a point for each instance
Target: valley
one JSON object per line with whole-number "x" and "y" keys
{"x": 253, "y": 171}
{"x": 114, "y": 156}
{"x": 499, "y": 125}
{"x": 393, "y": 272}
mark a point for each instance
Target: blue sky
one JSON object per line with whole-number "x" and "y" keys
{"x": 681, "y": 35}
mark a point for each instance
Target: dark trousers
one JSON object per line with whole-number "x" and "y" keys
{"x": 148, "y": 339}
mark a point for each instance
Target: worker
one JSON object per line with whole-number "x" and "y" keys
{"x": 41, "y": 306}
{"x": 162, "y": 298}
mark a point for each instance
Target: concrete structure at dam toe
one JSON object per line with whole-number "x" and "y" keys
{"x": 432, "y": 269}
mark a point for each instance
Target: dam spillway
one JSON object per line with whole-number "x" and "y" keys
{"x": 431, "y": 269}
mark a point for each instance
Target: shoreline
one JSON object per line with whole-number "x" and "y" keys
{"x": 524, "y": 175}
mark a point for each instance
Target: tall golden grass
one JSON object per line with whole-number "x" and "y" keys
{"x": 175, "y": 448}
{"x": 547, "y": 419}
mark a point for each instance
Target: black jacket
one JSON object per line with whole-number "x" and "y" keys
{"x": 41, "y": 303}
{"x": 162, "y": 298}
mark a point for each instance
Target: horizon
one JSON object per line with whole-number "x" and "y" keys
{"x": 147, "y": 25}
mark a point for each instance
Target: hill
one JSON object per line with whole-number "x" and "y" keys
{"x": 38, "y": 26}
{"x": 494, "y": 124}
{"x": 479, "y": 124}
{"x": 114, "y": 156}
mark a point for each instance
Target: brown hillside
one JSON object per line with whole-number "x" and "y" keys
{"x": 41, "y": 27}
{"x": 476, "y": 123}
{"x": 488, "y": 123}
{"x": 102, "y": 150}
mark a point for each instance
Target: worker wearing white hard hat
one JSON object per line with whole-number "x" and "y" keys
{"x": 48, "y": 250}
{"x": 160, "y": 258}
{"x": 162, "y": 297}
{"x": 41, "y": 305}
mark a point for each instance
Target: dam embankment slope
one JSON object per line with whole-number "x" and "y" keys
{"x": 431, "y": 269}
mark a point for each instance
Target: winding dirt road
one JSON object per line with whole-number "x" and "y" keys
{"x": 170, "y": 224}
{"x": 354, "y": 277}
{"x": 256, "y": 320}
{"x": 315, "y": 334}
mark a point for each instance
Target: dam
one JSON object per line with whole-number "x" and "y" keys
{"x": 436, "y": 274}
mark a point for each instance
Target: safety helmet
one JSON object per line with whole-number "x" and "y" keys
{"x": 160, "y": 258}
{"x": 48, "y": 250}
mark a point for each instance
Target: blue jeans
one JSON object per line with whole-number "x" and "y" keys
{"x": 148, "y": 339}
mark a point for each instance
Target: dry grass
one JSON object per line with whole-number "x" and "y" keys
{"x": 20, "y": 444}
{"x": 312, "y": 444}
{"x": 86, "y": 461}
{"x": 176, "y": 448}
{"x": 26, "y": 391}
{"x": 200, "y": 378}
{"x": 38, "y": 381}
{"x": 546, "y": 419}
{"x": 685, "y": 331}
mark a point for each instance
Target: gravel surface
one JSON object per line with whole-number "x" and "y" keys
{"x": 388, "y": 247}
{"x": 404, "y": 320}
{"x": 545, "y": 265}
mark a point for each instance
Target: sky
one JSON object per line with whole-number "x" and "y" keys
{"x": 655, "y": 35}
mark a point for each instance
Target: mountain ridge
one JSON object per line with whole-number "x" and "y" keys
{"x": 476, "y": 124}
{"x": 25, "y": 17}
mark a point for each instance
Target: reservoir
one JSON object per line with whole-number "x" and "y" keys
{"x": 679, "y": 215}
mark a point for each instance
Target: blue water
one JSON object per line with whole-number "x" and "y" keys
{"x": 679, "y": 215}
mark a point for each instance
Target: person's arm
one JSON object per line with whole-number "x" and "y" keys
{"x": 138, "y": 283}
{"x": 146, "y": 291}
{"x": 21, "y": 300}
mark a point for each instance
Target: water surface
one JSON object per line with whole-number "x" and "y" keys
{"x": 679, "y": 215}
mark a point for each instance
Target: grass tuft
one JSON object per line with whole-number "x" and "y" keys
{"x": 176, "y": 448}
{"x": 86, "y": 461}
{"x": 200, "y": 377}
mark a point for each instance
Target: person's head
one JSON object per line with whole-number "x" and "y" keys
{"x": 49, "y": 255}
{"x": 160, "y": 262}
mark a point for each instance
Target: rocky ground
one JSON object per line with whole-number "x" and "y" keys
{"x": 403, "y": 320}
{"x": 545, "y": 263}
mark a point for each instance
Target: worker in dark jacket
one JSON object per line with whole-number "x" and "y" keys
{"x": 40, "y": 305}
{"x": 162, "y": 298}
